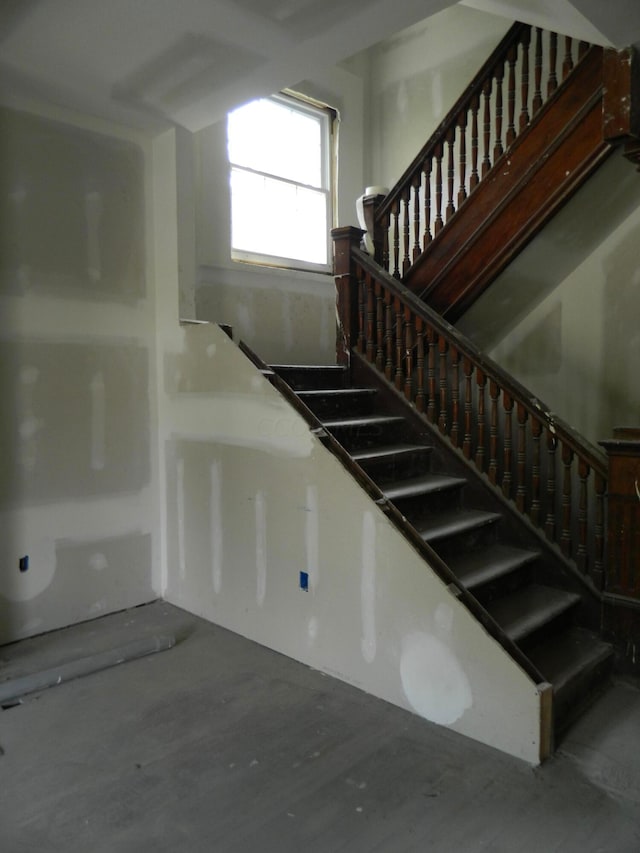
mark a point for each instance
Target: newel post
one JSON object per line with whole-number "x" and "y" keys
{"x": 622, "y": 576}
{"x": 621, "y": 100}
{"x": 346, "y": 290}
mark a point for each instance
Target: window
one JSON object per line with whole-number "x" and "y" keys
{"x": 281, "y": 202}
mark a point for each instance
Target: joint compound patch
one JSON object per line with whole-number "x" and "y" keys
{"x": 433, "y": 680}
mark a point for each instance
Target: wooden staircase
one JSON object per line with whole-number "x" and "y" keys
{"x": 535, "y": 606}
{"x": 540, "y": 116}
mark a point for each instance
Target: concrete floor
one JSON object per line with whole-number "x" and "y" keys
{"x": 221, "y": 745}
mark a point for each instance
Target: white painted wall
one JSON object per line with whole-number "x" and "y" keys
{"x": 253, "y": 499}
{"x": 78, "y": 479}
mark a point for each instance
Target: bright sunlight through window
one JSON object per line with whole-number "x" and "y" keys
{"x": 279, "y": 152}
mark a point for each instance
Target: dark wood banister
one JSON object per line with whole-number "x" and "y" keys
{"x": 514, "y": 440}
{"x": 589, "y": 452}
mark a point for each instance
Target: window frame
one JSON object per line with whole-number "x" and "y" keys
{"x": 328, "y": 118}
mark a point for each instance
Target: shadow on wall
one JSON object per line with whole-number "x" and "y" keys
{"x": 588, "y": 219}
{"x": 621, "y": 336}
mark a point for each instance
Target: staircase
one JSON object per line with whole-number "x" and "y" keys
{"x": 542, "y": 613}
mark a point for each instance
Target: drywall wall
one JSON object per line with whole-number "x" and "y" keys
{"x": 286, "y": 316}
{"x": 563, "y": 318}
{"x": 77, "y": 481}
{"x": 254, "y": 499}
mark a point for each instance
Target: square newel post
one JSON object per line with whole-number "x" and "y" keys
{"x": 621, "y": 619}
{"x": 344, "y": 239}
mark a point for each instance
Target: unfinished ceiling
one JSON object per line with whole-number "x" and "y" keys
{"x": 152, "y": 63}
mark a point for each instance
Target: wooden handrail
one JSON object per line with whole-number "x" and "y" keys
{"x": 501, "y": 101}
{"x": 540, "y": 464}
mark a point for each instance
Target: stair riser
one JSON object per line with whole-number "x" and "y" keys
{"x": 553, "y": 626}
{"x": 470, "y": 539}
{"x": 505, "y": 584}
{"x": 420, "y": 507}
{"x": 370, "y": 435}
{"x": 575, "y": 698}
{"x": 398, "y": 467}
{"x": 302, "y": 378}
{"x": 340, "y": 406}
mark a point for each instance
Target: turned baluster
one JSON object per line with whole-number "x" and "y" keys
{"x": 406, "y": 230}
{"x": 512, "y": 56}
{"x": 597, "y": 574}
{"x": 462, "y": 126}
{"x": 438, "y": 155}
{"x": 550, "y": 521}
{"x": 362, "y": 299}
{"x": 467, "y": 442}
{"x": 431, "y": 374}
{"x": 565, "y": 536}
{"x": 455, "y": 397}
{"x": 379, "y": 328}
{"x": 419, "y": 364}
{"x": 408, "y": 355}
{"x": 567, "y": 63}
{"x": 507, "y": 405}
{"x": 427, "y": 203}
{"x": 385, "y": 242}
{"x": 537, "y": 95}
{"x": 524, "y": 89}
{"x": 396, "y": 238}
{"x": 486, "y": 127}
{"x": 474, "y": 179}
{"x": 416, "y": 216}
{"x": 536, "y": 432}
{"x": 399, "y": 377}
{"x": 451, "y": 136}
{"x": 494, "y": 394}
{"x": 481, "y": 381}
{"x": 498, "y": 150}
{"x": 521, "y": 459}
{"x": 444, "y": 385}
{"x": 552, "y": 84}
{"x": 583, "y": 47}
{"x": 371, "y": 319}
{"x": 388, "y": 334}
{"x": 582, "y": 558}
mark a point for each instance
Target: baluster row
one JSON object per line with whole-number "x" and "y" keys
{"x": 430, "y": 198}
{"x": 499, "y": 434}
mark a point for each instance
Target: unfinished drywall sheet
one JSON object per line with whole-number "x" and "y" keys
{"x": 268, "y": 536}
{"x": 76, "y": 339}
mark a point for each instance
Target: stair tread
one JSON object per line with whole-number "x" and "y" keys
{"x": 444, "y": 524}
{"x": 362, "y": 420}
{"x": 562, "y": 659}
{"x": 481, "y": 565}
{"x": 336, "y": 367}
{"x": 424, "y": 484}
{"x": 370, "y": 453}
{"x": 522, "y": 612}
{"x": 336, "y": 392}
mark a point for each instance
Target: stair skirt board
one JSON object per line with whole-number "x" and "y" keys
{"x": 506, "y": 577}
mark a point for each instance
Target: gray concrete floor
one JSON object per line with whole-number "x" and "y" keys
{"x": 221, "y": 745}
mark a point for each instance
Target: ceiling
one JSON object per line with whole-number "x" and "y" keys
{"x": 154, "y": 63}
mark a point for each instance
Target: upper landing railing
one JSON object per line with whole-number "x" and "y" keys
{"x": 511, "y": 88}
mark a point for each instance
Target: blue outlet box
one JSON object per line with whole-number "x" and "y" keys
{"x": 304, "y": 580}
